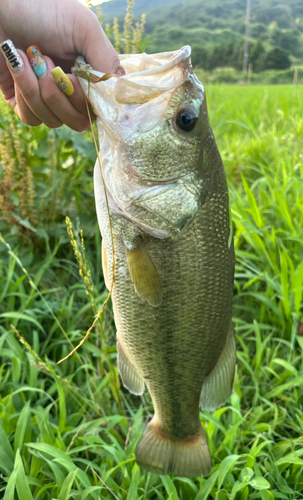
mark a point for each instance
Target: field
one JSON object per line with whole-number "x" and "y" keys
{"x": 70, "y": 430}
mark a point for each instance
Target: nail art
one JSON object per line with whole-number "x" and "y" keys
{"x": 36, "y": 59}
{"x": 62, "y": 81}
{"x": 10, "y": 53}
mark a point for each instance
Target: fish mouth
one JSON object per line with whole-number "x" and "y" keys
{"x": 82, "y": 69}
{"x": 148, "y": 65}
{"x": 138, "y": 86}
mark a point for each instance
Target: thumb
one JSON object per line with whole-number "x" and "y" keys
{"x": 91, "y": 42}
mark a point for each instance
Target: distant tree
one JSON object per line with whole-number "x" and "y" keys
{"x": 256, "y": 52}
{"x": 258, "y": 30}
{"x": 281, "y": 14}
{"x": 299, "y": 23}
{"x": 175, "y": 33}
{"x": 193, "y": 23}
{"x": 215, "y": 11}
{"x": 275, "y": 35}
{"x": 238, "y": 55}
{"x": 200, "y": 57}
{"x": 276, "y": 58}
{"x": 288, "y": 40}
{"x": 229, "y": 54}
{"x": 215, "y": 24}
{"x": 222, "y": 55}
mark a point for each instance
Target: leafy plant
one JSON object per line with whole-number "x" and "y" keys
{"x": 129, "y": 42}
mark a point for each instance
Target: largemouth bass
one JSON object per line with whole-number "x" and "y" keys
{"x": 173, "y": 255}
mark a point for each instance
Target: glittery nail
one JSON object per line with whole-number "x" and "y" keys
{"x": 36, "y": 59}
{"x": 9, "y": 51}
{"x": 62, "y": 81}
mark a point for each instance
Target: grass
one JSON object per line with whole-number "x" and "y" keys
{"x": 70, "y": 430}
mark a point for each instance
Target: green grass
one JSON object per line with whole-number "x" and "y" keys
{"x": 70, "y": 430}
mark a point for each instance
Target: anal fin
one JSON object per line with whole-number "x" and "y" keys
{"x": 144, "y": 275}
{"x": 217, "y": 386}
{"x": 131, "y": 380}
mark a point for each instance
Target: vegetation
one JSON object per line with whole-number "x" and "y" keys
{"x": 130, "y": 42}
{"x": 270, "y": 77}
{"x": 216, "y": 31}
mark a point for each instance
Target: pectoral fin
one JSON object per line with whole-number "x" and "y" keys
{"x": 130, "y": 378}
{"x": 144, "y": 275}
{"x": 217, "y": 386}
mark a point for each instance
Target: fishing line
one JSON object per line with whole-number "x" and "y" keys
{"x": 110, "y": 226}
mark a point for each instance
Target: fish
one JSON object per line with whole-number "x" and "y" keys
{"x": 167, "y": 249}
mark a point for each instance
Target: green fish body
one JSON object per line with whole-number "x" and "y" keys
{"x": 173, "y": 258}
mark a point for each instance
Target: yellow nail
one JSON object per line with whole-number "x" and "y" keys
{"x": 62, "y": 81}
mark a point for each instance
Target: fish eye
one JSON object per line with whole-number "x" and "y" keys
{"x": 186, "y": 119}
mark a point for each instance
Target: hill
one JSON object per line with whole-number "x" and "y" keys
{"x": 118, "y": 7}
{"x": 216, "y": 31}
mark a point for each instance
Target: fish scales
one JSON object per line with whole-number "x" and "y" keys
{"x": 174, "y": 263}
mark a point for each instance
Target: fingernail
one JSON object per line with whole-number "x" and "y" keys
{"x": 36, "y": 59}
{"x": 62, "y": 81}
{"x": 10, "y": 53}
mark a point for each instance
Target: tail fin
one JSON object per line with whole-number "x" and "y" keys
{"x": 161, "y": 454}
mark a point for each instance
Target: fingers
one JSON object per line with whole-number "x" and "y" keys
{"x": 11, "y": 93}
{"x": 6, "y": 81}
{"x": 27, "y": 87}
{"x": 23, "y": 111}
{"x": 71, "y": 109}
{"x": 76, "y": 97}
{"x": 37, "y": 98}
{"x": 91, "y": 42}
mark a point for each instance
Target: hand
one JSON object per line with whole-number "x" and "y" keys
{"x": 62, "y": 29}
